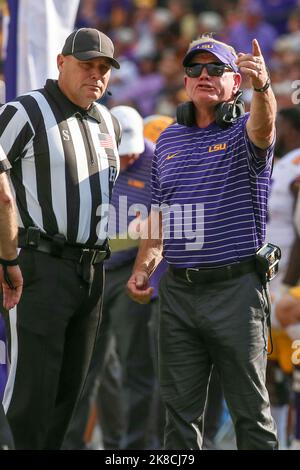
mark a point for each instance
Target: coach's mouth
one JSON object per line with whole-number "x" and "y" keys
{"x": 205, "y": 87}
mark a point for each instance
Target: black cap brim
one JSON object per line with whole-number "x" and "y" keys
{"x": 89, "y": 55}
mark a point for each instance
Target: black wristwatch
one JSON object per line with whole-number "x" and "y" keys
{"x": 263, "y": 88}
{"x": 6, "y": 263}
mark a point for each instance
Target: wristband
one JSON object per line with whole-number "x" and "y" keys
{"x": 263, "y": 88}
{"x": 9, "y": 262}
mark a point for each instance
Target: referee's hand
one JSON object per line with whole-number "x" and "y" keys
{"x": 138, "y": 287}
{"x": 11, "y": 295}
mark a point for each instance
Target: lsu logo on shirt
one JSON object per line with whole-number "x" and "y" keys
{"x": 217, "y": 147}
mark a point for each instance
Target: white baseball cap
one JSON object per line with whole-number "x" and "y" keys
{"x": 132, "y": 125}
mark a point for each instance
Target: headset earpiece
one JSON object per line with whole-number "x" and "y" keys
{"x": 185, "y": 114}
{"x": 226, "y": 113}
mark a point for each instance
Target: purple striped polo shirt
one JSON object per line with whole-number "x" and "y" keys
{"x": 212, "y": 186}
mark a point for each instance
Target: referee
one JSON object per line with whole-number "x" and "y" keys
{"x": 62, "y": 147}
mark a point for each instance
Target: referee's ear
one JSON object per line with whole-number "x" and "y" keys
{"x": 59, "y": 61}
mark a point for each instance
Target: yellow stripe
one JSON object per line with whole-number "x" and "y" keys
{"x": 117, "y": 245}
{"x": 295, "y": 291}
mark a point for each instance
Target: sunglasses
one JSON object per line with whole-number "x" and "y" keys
{"x": 213, "y": 69}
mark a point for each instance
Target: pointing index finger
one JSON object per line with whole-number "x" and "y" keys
{"x": 255, "y": 48}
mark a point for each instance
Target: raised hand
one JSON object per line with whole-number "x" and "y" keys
{"x": 253, "y": 65}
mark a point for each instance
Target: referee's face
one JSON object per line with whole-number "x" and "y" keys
{"x": 83, "y": 82}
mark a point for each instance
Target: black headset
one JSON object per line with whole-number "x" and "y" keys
{"x": 226, "y": 113}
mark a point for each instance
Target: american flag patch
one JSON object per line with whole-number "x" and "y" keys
{"x": 106, "y": 141}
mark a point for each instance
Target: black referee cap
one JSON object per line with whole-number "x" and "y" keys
{"x": 89, "y": 43}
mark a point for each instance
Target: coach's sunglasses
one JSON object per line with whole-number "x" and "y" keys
{"x": 213, "y": 69}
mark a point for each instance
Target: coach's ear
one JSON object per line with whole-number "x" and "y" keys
{"x": 237, "y": 83}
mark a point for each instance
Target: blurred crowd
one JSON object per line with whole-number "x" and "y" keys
{"x": 151, "y": 37}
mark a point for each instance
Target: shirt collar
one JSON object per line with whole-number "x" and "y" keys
{"x": 68, "y": 107}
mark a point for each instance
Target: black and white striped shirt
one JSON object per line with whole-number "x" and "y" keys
{"x": 64, "y": 163}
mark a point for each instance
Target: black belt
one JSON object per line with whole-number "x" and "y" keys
{"x": 205, "y": 276}
{"x": 62, "y": 250}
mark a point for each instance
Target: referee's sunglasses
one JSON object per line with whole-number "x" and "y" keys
{"x": 213, "y": 69}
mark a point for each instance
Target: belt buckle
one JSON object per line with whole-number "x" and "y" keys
{"x": 187, "y": 274}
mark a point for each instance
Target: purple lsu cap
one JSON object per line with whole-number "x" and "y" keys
{"x": 221, "y": 51}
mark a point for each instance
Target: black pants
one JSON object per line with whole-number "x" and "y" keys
{"x": 6, "y": 439}
{"x": 52, "y": 336}
{"x": 128, "y": 322}
{"x": 224, "y": 324}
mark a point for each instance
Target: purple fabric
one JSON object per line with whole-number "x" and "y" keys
{"x": 3, "y": 367}
{"x": 105, "y": 7}
{"x": 297, "y": 408}
{"x": 276, "y": 13}
{"x": 155, "y": 277}
{"x": 221, "y": 52}
{"x": 212, "y": 186}
{"x": 139, "y": 172}
{"x": 10, "y": 66}
{"x": 144, "y": 92}
{"x": 241, "y": 37}
{"x": 103, "y": 12}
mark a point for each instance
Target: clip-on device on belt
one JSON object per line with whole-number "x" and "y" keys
{"x": 267, "y": 265}
{"x": 267, "y": 261}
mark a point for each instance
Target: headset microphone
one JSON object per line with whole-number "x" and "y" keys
{"x": 109, "y": 93}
